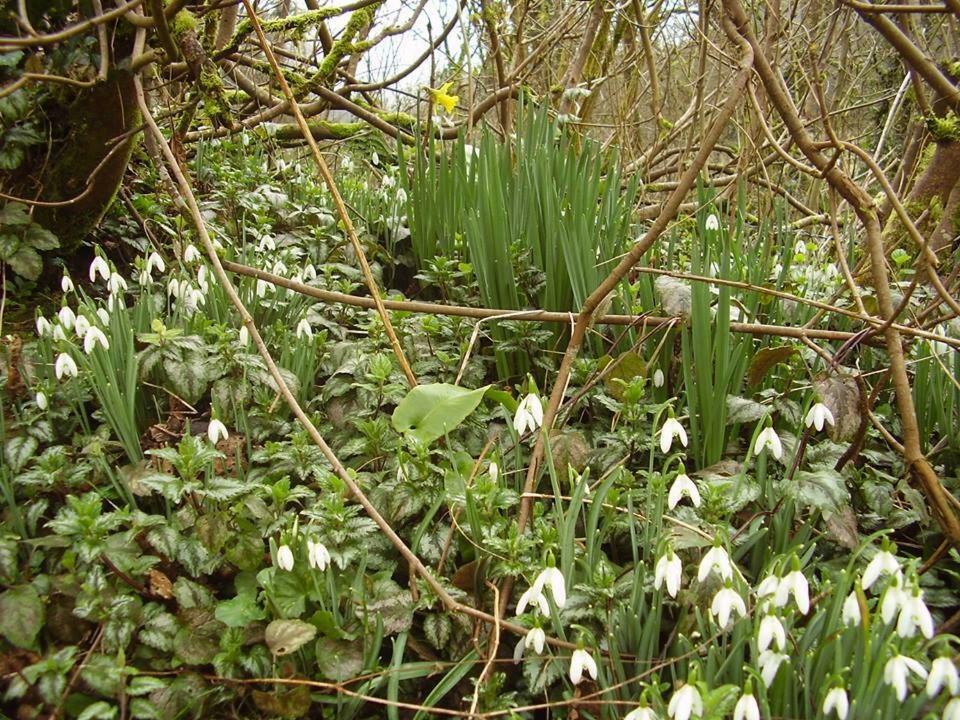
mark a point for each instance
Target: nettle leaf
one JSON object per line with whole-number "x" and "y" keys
{"x": 158, "y": 632}
{"x": 287, "y": 636}
{"x": 429, "y": 411}
{"x": 339, "y": 660}
{"x": 19, "y": 450}
{"x": 21, "y": 615}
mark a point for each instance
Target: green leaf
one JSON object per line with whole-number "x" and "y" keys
{"x": 339, "y": 660}
{"x": 240, "y": 611}
{"x": 19, "y": 450}
{"x": 26, "y": 263}
{"x": 21, "y": 615}
{"x": 14, "y": 213}
{"x": 41, "y": 238}
{"x": 286, "y": 636}
{"x": 430, "y": 411}
{"x": 824, "y": 490}
{"x": 99, "y": 710}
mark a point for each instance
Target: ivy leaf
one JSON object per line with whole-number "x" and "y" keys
{"x": 21, "y": 615}
{"x": 287, "y": 636}
{"x": 429, "y": 411}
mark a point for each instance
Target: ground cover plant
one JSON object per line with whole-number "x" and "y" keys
{"x": 537, "y": 392}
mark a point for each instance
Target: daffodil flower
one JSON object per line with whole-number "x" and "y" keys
{"x": 896, "y": 673}
{"x": 836, "y": 702}
{"x": 685, "y": 703}
{"x": 671, "y": 428}
{"x": 529, "y": 414}
{"x": 317, "y": 555}
{"x": 819, "y": 414}
{"x": 285, "y": 558}
{"x": 681, "y": 486}
{"x": 669, "y": 570}
{"x": 943, "y": 673}
{"x": 443, "y": 97}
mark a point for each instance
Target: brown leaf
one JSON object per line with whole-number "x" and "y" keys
{"x": 160, "y": 584}
{"x": 764, "y": 361}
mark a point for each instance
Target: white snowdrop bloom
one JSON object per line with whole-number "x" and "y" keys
{"x": 173, "y": 287}
{"x": 817, "y": 415}
{"x": 582, "y": 660}
{"x": 893, "y": 599}
{"x": 685, "y": 703}
{"x": 836, "y": 702}
{"x": 769, "y": 662}
{"x": 262, "y": 287}
{"x": 914, "y": 614}
{"x": 317, "y": 555}
{"x": 681, "y": 486}
{"x": 401, "y": 196}
{"x": 114, "y": 301}
{"x": 943, "y": 673}
{"x": 244, "y": 336}
{"x": 144, "y": 279}
{"x": 536, "y": 639}
{"x": 746, "y": 708}
{"x": 896, "y": 673}
{"x": 99, "y": 267}
{"x": 191, "y": 254}
{"x": 671, "y": 428}
{"x": 202, "y": 278}
{"x": 388, "y": 181}
{"x": 668, "y": 570}
{"x": 552, "y": 578}
{"x": 304, "y": 330}
{"x": 529, "y": 414}
{"x": 794, "y": 583}
{"x": 658, "y": 378}
{"x": 103, "y": 315}
{"x": 309, "y": 272}
{"x": 952, "y": 710}
{"x": 216, "y": 431}
{"x": 493, "y": 470}
{"x": 375, "y": 158}
{"x": 279, "y": 268}
{"x": 94, "y": 335}
{"x": 851, "y": 610}
{"x": 81, "y": 325}
{"x": 769, "y": 439}
{"x": 266, "y": 244}
{"x": 155, "y": 262}
{"x": 883, "y": 563}
{"x": 533, "y": 595}
{"x": 725, "y": 603}
{"x": 43, "y": 326}
{"x": 65, "y": 366}
{"x": 768, "y": 586}
{"x": 58, "y": 333}
{"x": 67, "y": 317}
{"x": 285, "y": 558}
{"x": 641, "y": 713}
{"x": 712, "y": 223}
{"x": 771, "y": 632}
{"x": 41, "y": 399}
{"x": 66, "y": 283}
{"x": 116, "y": 284}
{"x": 715, "y": 560}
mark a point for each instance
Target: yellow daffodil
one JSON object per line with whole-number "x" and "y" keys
{"x": 441, "y": 96}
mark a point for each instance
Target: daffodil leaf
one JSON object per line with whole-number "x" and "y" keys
{"x": 430, "y": 411}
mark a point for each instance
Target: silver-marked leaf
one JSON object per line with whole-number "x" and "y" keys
{"x": 286, "y": 636}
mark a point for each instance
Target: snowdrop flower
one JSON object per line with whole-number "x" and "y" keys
{"x": 116, "y": 283}
{"x": 81, "y": 325}
{"x": 794, "y": 583}
{"x": 535, "y": 639}
{"x": 768, "y": 586}
{"x": 266, "y": 243}
{"x": 771, "y": 632}
{"x": 716, "y": 560}
{"x": 173, "y": 287}
{"x": 115, "y": 300}
{"x": 768, "y": 439}
{"x": 262, "y": 287}
{"x": 943, "y": 673}
{"x": 66, "y": 284}
{"x": 99, "y": 267}
{"x": 552, "y": 578}
{"x": 641, "y": 713}
{"x": 493, "y": 470}
{"x": 202, "y": 278}
{"x": 533, "y": 595}
{"x": 58, "y": 333}
{"x": 155, "y": 262}
{"x": 681, "y": 486}
{"x": 883, "y": 563}
{"x": 580, "y": 661}
{"x": 952, "y": 710}
{"x": 817, "y": 415}
{"x": 67, "y": 317}
{"x": 43, "y": 326}
{"x": 216, "y": 431}
{"x": 712, "y": 223}
{"x": 671, "y": 428}
{"x": 669, "y": 570}
{"x": 191, "y": 254}
{"x": 285, "y": 558}
{"x": 317, "y": 555}
{"x": 770, "y": 661}
{"x": 41, "y": 399}
{"x": 65, "y": 366}
{"x": 103, "y": 315}
{"x": 897, "y": 671}
{"x": 529, "y": 414}
{"x": 836, "y": 701}
{"x": 914, "y": 614}
{"x": 724, "y": 603}
{"x": 309, "y": 272}
{"x": 93, "y": 336}
{"x": 746, "y": 708}
{"x": 893, "y": 599}
{"x": 244, "y": 336}
{"x": 658, "y": 378}
{"x": 685, "y": 703}
{"x": 851, "y": 609}
{"x": 304, "y": 330}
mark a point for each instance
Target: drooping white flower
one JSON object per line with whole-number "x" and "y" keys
{"x": 304, "y": 330}
{"x": 725, "y": 603}
{"x": 216, "y": 431}
{"x": 669, "y": 570}
{"x": 893, "y": 599}
{"x": 191, "y": 254}
{"x": 536, "y": 638}
{"x": 836, "y": 701}
{"x": 81, "y": 326}
{"x": 641, "y": 713}
{"x": 93, "y": 336}
{"x": 671, "y": 428}
{"x": 244, "y": 337}
{"x": 285, "y": 558}
{"x": 883, "y": 563}
{"x": 65, "y": 366}
{"x": 493, "y": 470}
{"x": 529, "y": 414}
{"x": 66, "y": 284}
{"x": 317, "y": 555}
{"x": 914, "y": 614}
{"x": 173, "y": 287}
{"x": 817, "y": 415}
{"x": 769, "y": 662}
{"x": 552, "y": 578}
{"x": 103, "y": 315}
{"x": 67, "y": 317}
{"x": 116, "y": 284}
{"x": 952, "y": 710}
{"x": 943, "y": 673}
{"x": 262, "y": 287}
{"x": 768, "y": 439}
{"x": 715, "y": 560}
{"x": 533, "y": 595}
{"x": 43, "y": 326}
{"x": 896, "y": 673}
{"x": 794, "y": 583}
{"x": 712, "y": 223}
{"x": 155, "y": 262}
{"x": 582, "y": 660}
{"x": 99, "y": 267}
{"x": 746, "y": 708}
{"x": 771, "y": 631}
{"x": 658, "y": 378}
{"x": 41, "y": 399}
{"x": 851, "y": 610}
{"x": 202, "y": 278}
{"x": 681, "y": 486}
{"x": 685, "y": 703}
{"x": 768, "y": 586}
{"x": 309, "y": 272}
{"x": 58, "y": 333}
